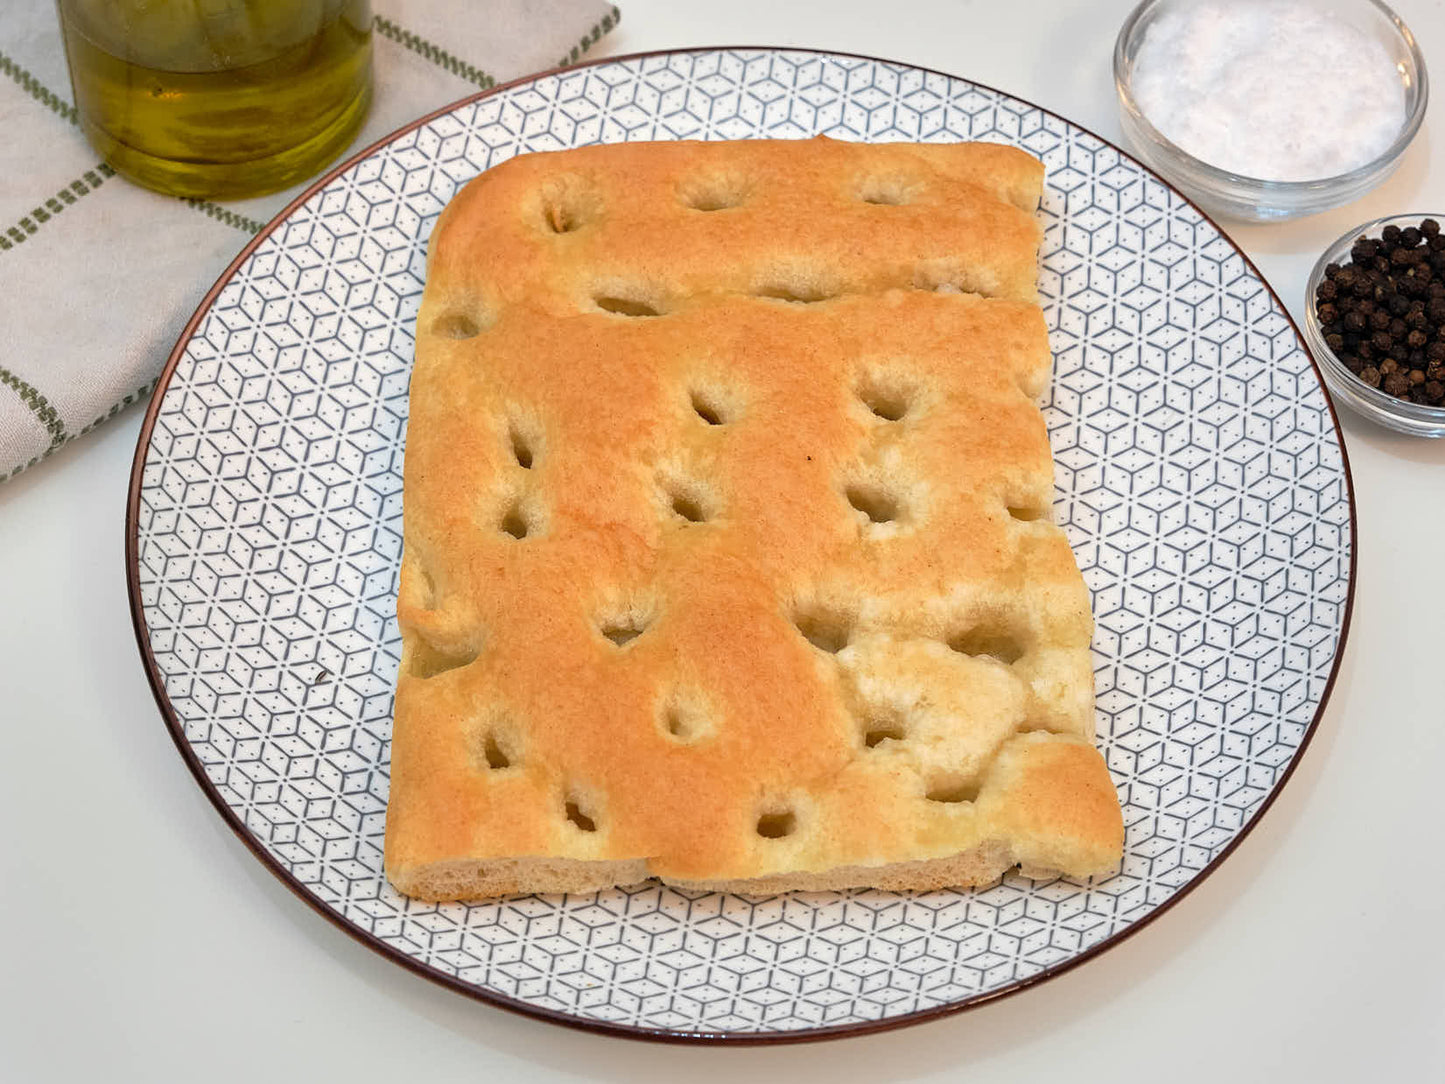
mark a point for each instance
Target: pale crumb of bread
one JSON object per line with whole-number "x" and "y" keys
{"x": 469, "y": 879}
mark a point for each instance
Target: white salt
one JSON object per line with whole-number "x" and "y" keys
{"x": 1277, "y": 90}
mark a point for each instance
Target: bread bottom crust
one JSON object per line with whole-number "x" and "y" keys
{"x": 472, "y": 880}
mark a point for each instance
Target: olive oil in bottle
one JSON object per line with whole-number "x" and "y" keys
{"x": 219, "y": 98}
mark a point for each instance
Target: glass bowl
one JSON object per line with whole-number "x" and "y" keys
{"x": 1250, "y": 198}
{"x": 1398, "y": 414}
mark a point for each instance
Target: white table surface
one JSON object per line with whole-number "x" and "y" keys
{"x": 139, "y": 940}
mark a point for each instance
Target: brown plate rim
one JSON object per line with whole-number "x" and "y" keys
{"x": 722, "y": 1038}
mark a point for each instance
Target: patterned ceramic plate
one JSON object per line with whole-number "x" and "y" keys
{"x": 1199, "y": 472}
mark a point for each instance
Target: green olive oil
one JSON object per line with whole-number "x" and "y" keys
{"x": 219, "y": 98}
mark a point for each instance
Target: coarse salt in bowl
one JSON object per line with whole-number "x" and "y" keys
{"x": 1264, "y": 110}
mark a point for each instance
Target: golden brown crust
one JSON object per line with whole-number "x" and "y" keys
{"x": 865, "y": 466}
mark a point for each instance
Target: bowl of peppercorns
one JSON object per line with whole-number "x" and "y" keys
{"x": 1375, "y": 321}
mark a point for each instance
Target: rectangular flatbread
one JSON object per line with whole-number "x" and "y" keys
{"x": 728, "y": 557}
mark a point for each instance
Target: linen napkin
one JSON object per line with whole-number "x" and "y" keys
{"x": 98, "y": 275}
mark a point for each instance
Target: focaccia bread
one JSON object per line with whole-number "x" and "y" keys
{"x": 727, "y": 550}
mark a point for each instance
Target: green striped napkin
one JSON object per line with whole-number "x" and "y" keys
{"x": 98, "y": 276}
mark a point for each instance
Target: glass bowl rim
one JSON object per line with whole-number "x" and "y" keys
{"x": 1225, "y": 178}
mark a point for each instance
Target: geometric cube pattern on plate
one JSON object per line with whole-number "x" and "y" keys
{"x": 1199, "y": 477}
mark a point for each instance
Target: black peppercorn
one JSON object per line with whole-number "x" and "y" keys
{"x": 1382, "y": 312}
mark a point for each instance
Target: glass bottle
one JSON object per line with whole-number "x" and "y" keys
{"x": 219, "y": 98}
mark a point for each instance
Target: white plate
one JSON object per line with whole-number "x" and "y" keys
{"x": 1199, "y": 471}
